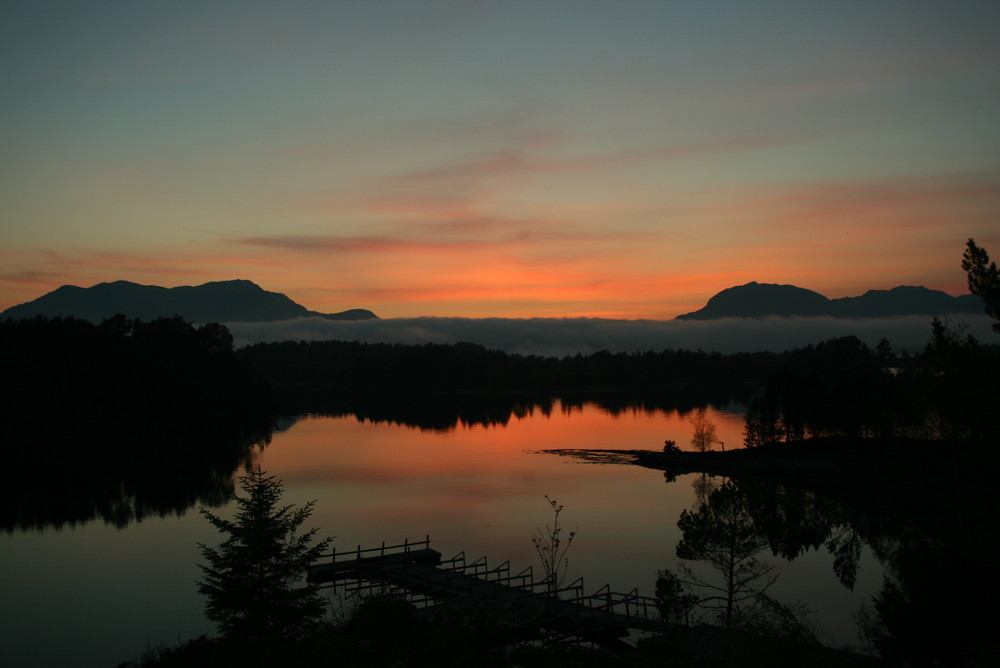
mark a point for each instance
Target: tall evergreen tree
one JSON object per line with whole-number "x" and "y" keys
{"x": 984, "y": 279}
{"x": 253, "y": 579}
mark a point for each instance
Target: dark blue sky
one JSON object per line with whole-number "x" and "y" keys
{"x": 497, "y": 158}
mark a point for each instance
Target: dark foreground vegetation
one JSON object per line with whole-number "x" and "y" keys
{"x": 847, "y": 447}
{"x": 842, "y": 388}
{"x": 925, "y": 510}
{"x": 389, "y": 632}
{"x": 136, "y": 379}
{"x": 122, "y": 420}
{"x": 850, "y": 448}
{"x": 267, "y": 616}
{"x": 129, "y": 418}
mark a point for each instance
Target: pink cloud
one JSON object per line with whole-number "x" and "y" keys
{"x": 481, "y": 183}
{"x": 31, "y": 277}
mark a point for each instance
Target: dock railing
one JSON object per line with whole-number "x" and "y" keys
{"x": 402, "y": 548}
{"x": 632, "y": 604}
{"x": 457, "y": 574}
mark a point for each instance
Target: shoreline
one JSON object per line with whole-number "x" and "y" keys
{"x": 866, "y": 472}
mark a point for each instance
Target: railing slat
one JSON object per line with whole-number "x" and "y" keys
{"x": 430, "y": 584}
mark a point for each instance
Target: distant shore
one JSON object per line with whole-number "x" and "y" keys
{"x": 866, "y": 470}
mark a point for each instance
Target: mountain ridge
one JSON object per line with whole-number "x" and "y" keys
{"x": 759, "y": 300}
{"x": 237, "y": 300}
{"x": 241, "y": 300}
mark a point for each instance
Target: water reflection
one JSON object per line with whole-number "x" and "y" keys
{"x": 448, "y": 412}
{"x": 474, "y": 488}
{"x": 733, "y": 522}
{"x": 121, "y": 481}
{"x": 926, "y": 543}
{"x": 723, "y": 534}
{"x": 121, "y": 478}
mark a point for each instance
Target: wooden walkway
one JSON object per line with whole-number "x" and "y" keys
{"x": 518, "y": 602}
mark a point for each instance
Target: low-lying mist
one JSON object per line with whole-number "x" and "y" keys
{"x": 569, "y": 336}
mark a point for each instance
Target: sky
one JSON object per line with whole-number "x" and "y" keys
{"x": 473, "y": 159}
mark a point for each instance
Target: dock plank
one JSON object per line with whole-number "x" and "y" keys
{"x": 423, "y": 573}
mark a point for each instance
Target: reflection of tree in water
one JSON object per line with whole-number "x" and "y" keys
{"x": 931, "y": 610}
{"x": 727, "y": 532}
{"x": 795, "y": 520}
{"x": 123, "y": 420}
{"x": 940, "y": 576}
{"x": 83, "y": 483}
{"x": 845, "y": 545}
{"x": 936, "y": 547}
{"x": 792, "y": 521}
{"x": 704, "y": 484}
{"x": 720, "y": 533}
{"x": 431, "y": 411}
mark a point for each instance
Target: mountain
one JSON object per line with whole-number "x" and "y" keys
{"x": 905, "y": 300}
{"x": 757, "y": 300}
{"x": 219, "y": 301}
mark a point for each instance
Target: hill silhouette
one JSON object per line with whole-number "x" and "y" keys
{"x": 758, "y": 300}
{"x": 218, "y": 301}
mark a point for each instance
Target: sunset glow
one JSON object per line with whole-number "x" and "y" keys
{"x": 517, "y": 159}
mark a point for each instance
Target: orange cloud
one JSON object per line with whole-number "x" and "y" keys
{"x": 451, "y": 256}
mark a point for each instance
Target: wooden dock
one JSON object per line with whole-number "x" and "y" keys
{"x": 525, "y": 606}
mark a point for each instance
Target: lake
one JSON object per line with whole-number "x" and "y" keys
{"x": 94, "y": 595}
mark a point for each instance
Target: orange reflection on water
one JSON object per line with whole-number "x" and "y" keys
{"x": 476, "y": 485}
{"x": 365, "y": 450}
{"x": 481, "y": 490}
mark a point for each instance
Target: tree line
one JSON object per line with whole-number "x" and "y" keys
{"x": 923, "y": 539}
{"x": 153, "y": 379}
{"x": 843, "y": 388}
{"x": 123, "y": 419}
{"x": 385, "y": 369}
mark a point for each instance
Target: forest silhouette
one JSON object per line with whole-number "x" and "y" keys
{"x": 919, "y": 617}
{"x": 99, "y": 405}
{"x": 123, "y": 419}
{"x": 847, "y": 446}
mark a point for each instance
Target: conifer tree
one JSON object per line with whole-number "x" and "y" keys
{"x": 984, "y": 279}
{"x": 253, "y": 580}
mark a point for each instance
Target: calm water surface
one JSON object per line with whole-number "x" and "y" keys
{"x": 94, "y": 595}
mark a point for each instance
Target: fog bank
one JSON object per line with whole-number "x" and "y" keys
{"x": 568, "y": 336}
